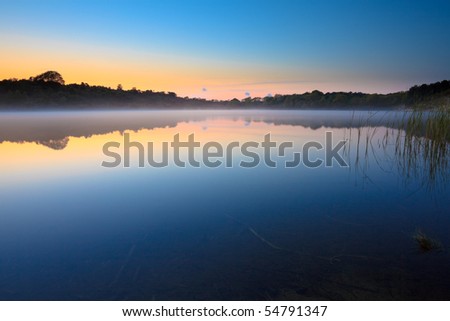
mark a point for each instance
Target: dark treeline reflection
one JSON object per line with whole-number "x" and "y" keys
{"x": 57, "y": 126}
{"x": 420, "y": 138}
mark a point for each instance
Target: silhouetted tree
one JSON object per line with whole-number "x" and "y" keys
{"x": 52, "y": 76}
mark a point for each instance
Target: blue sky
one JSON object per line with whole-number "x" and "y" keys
{"x": 230, "y": 47}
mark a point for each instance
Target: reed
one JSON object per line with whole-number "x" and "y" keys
{"x": 417, "y": 145}
{"x": 422, "y": 146}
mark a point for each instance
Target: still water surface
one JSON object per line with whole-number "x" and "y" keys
{"x": 71, "y": 229}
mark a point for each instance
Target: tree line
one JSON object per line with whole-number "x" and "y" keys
{"x": 48, "y": 90}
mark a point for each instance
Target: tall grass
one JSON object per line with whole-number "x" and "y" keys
{"x": 422, "y": 146}
{"x": 417, "y": 144}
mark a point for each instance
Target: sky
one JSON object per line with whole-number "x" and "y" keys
{"x": 226, "y": 49}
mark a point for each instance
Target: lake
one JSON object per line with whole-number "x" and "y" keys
{"x": 72, "y": 229}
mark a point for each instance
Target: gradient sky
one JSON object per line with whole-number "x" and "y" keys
{"x": 226, "y": 49}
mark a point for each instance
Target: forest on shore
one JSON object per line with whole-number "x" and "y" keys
{"x": 49, "y": 91}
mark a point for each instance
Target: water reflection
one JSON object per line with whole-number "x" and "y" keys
{"x": 51, "y": 127}
{"x": 71, "y": 229}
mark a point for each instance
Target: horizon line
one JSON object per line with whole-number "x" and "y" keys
{"x": 227, "y": 85}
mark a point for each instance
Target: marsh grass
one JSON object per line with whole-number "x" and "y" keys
{"x": 422, "y": 148}
{"x": 420, "y": 144}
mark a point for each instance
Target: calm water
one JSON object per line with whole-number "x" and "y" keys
{"x": 71, "y": 229}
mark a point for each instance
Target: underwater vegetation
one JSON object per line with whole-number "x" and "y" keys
{"x": 425, "y": 243}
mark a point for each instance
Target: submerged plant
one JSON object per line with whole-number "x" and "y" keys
{"x": 426, "y": 243}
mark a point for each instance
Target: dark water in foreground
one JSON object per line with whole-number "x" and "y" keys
{"x": 71, "y": 229}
